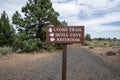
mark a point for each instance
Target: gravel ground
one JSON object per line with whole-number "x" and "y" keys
{"x": 81, "y": 65}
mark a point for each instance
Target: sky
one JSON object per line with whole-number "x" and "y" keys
{"x": 101, "y": 18}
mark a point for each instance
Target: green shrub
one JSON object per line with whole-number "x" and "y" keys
{"x": 19, "y": 50}
{"x": 58, "y": 46}
{"x": 23, "y": 43}
{"x": 51, "y": 47}
{"x": 17, "y": 44}
{"x": 110, "y": 53}
{"x": 91, "y": 47}
{"x": 85, "y": 43}
{"x": 5, "y": 50}
{"x": 31, "y": 45}
{"x": 48, "y": 47}
{"x": 18, "y": 40}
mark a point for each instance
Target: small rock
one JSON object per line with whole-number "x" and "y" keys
{"x": 110, "y": 53}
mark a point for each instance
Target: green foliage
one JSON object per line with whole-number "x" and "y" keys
{"x": 18, "y": 40}
{"x": 23, "y": 43}
{"x": 63, "y": 23}
{"x": 88, "y": 37}
{"x": 114, "y": 38}
{"x": 31, "y": 45}
{"x": 48, "y": 47}
{"x": 6, "y": 30}
{"x": 17, "y": 44}
{"x": 5, "y": 50}
{"x": 91, "y": 47}
{"x": 109, "y": 39}
{"x": 31, "y": 28}
{"x": 102, "y": 43}
{"x": 101, "y": 38}
{"x": 58, "y": 46}
{"x": 38, "y": 14}
{"x": 17, "y": 19}
{"x": 2, "y": 40}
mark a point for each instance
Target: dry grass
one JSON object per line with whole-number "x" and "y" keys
{"x": 19, "y": 60}
{"x": 101, "y": 52}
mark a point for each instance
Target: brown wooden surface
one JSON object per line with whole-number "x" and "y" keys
{"x": 64, "y": 62}
{"x": 67, "y": 39}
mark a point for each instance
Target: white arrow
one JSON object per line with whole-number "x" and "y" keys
{"x": 52, "y": 39}
{"x": 51, "y": 34}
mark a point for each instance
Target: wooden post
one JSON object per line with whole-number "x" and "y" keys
{"x": 64, "y": 62}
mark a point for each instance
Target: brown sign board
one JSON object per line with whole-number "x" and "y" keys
{"x": 65, "y": 34}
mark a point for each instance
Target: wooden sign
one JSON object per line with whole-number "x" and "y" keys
{"x": 65, "y": 34}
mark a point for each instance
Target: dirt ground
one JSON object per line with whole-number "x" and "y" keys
{"x": 82, "y": 65}
{"x": 113, "y": 60}
{"x": 19, "y": 60}
{"x": 24, "y": 66}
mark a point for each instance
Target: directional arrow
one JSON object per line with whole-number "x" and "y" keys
{"x": 51, "y": 34}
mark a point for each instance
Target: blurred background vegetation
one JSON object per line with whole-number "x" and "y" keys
{"x": 101, "y": 42}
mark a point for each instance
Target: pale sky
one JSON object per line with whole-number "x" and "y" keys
{"x": 101, "y": 18}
